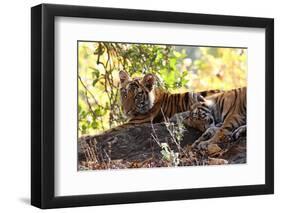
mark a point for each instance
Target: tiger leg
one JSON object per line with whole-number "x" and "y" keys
{"x": 224, "y": 133}
{"x": 240, "y": 131}
{"x": 210, "y": 132}
{"x": 219, "y": 137}
{"x": 180, "y": 117}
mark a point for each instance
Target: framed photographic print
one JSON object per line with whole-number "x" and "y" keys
{"x": 140, "y": 106}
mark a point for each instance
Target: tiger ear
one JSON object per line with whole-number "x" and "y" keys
{"x": 149, "y": 81}
{"x": 200, "y": 98}
{"x": 124, "y": 77}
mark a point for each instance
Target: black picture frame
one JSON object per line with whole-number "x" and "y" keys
{"x": 43, "y": 102}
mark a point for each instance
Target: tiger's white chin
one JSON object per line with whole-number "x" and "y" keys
{"x": 151, "y": 97}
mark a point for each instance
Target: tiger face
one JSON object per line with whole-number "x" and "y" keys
{"x": 137, "y": 94}
{"x": 200, "y": 117}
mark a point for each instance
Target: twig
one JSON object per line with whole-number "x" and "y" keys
{"x": 95, "y": 100}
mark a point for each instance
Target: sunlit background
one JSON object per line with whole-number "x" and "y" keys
{"x": 179, "y": 68}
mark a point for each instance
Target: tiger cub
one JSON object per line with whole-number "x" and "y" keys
{"x": 142, "y": 102}
{"x": 222, "y": 117}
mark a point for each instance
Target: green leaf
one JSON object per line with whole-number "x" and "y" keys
{"x": 95, "y": 81}
{"x": 177, "y": 54}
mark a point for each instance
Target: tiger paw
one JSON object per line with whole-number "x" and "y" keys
{"x": 195, "y": 144}
{"x": 203, "y": 145}
{"x": 213, "y": 149}
{"x": 180, "y": 117}
{"x": 239, "y": 132}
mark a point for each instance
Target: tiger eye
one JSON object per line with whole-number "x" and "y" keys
{"x": 124, "y": 93}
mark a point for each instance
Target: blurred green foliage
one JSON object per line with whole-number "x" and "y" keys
{"x": 179, "y": 68}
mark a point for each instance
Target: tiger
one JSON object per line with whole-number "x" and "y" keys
{"x": 143, "y": 102}
{"x": 222, "y": 117}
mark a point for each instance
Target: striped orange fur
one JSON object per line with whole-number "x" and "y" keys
{"x": 142, "y": 102}
{"x": 226, "y": 109}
